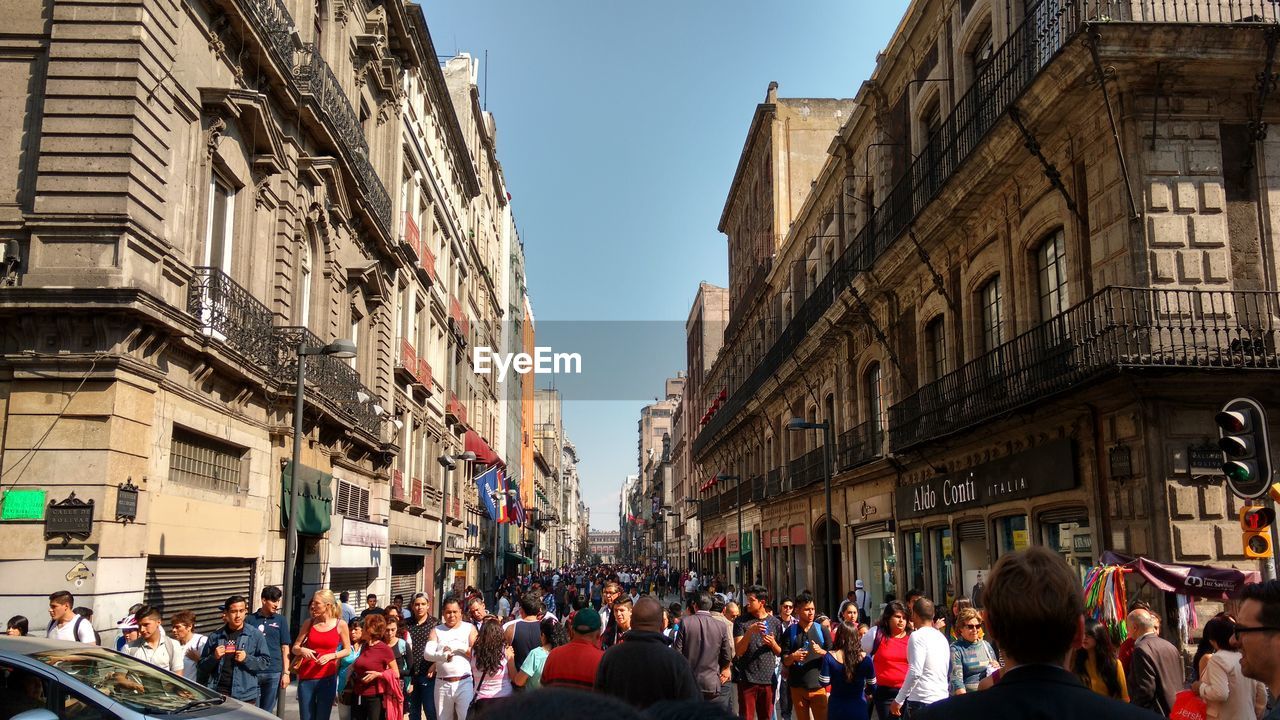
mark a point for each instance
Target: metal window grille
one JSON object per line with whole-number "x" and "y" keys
{"x": 203, "y": 462}
{"x": 353, "y": 501}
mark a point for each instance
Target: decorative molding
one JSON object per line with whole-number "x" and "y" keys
{"x": 213, "y": 135}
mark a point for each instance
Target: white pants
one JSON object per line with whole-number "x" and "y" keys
{"x": 453, "y": 699}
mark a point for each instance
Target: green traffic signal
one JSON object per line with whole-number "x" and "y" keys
{"x": 1237, "y": 471}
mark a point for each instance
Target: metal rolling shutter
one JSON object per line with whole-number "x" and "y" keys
{"x": 354, "y": 581}
{"x": 200, "y": 585}
{"x": 971, "y": 530}
{"x": 405, "y": 570}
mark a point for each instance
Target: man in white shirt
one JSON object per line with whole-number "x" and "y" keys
{"x": 65, "y": 624}
{"x": 928, "y": 659}
{"x": 152, "y": 645}
{"x": 183, "y": 624}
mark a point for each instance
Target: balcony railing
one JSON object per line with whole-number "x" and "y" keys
{"x": 457, "y": 409}
{"x": 807, "y": 469}
{"x": 860, "y": 445}
{"x": 1048, "y": 26}
{"x": 407, "y": 363}
{"x": 462, "y": 324}
{"x": 757, "y": 488}
{"x": 316, "y": 78}
{"x": 424, "y": 373}
{"x": 332, "y": 378}
{"x": 229, "y": 313}
{"x": 754, "y": 287}
{"x": 428, "y": 262}
{"x": 415, "y": 497}
{"x": 1118, "y": 327}
{"x": 274, "y": 23}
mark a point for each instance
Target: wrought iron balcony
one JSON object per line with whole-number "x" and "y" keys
{"x": 1048, "y": 26}
{"x": 316, "y": 79}
{"x": 272, "y": 21}
{"x": 428, "y": 263}
{"x": 332, "y": 378}
{"x": 410, "y": 237}
{"x": 757, "y": 488}
{"x": 860, "y": 445}
{"x": 407, "y": 363}
{"x": 1117, "y": 328}
{"x": 807, "y": 469}
{"x": 398, "y": 497}
{"x": 754, "y": 287}
{"x": 231, "y": 314}
{"x": 773, "y": 487}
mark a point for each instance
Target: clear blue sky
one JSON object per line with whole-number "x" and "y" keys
{"x": 620, "y": 124}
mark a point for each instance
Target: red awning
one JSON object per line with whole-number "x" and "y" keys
{"x": 719, "y": 543}
{"x": 484, "y": 454}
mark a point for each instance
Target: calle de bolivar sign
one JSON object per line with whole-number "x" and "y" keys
{"x": 1044, "y": 469}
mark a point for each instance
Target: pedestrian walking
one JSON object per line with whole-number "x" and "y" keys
{"x": 348, "y": 612}
{"x": 1157, "y": 666}
{"x": 704, "y": 641}
{"x": 449, "y": 647}
{"x": 275, "y": 628}
{"x": 574, "y": 664}
{"x": 422, "y": 683}
{"x": 928, "y": 661}
{"x": 757, "y": 648}
{"x": 491, "y": 667}
{"x": 235, "y": 654}
{"x": 17, "y": 626}
{"x": 847, "y": 671}
{"x": 395, "y": 639}
{"x": 1227, "y": 693}
{"x": 182, "y": 627}
{"x": 374, "y": 674}
{"x": 886, "y": 644}
{"x": 323, "y": 641}
{"x": 805, "y": 645}
{"x": 356, "y": 630}
{"x": 1033, "y": 609}
{"x": 1096, "y": 665}
{"x": 65, "y": 624}
{"x": 525, "y": 634}
{"x": 972, "y": 657}
{"x": 529, "y": 674}
{"x": 153, "y": 646}
{"x": 643, "y": 670}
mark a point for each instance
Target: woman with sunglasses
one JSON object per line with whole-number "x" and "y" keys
{"x": 972, "y": 658}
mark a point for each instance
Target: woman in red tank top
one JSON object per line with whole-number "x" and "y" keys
{"x": 322, "y": 640}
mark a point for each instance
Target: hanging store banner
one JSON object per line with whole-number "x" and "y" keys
{"x": 1195, "y": 580}
{"x": 1042, "y": 470}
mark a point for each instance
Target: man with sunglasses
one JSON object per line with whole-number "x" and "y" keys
{"x": 1258, "y": 632}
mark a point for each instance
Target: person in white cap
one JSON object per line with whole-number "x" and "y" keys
{"x": 861, "y": 600}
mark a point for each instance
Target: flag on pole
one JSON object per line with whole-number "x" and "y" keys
{"x": 503, "y": 517}
{"x": 488, "y": 486}
{"x": 517, "y": 509}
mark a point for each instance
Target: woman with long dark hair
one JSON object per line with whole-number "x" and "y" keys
{"x": 356, "y": 636}
{"x": 889, "y": 656}
{"x": 1227, "y": 693}
{"x": 1096, "y": 664}
{"x": 491, "y": 666}
{"x": 848, "y": 671}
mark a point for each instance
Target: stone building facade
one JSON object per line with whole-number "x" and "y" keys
{"x": 202, "y": 188}
{"x": 1035, "y": 260}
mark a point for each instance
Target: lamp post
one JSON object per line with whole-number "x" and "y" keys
{"x": 342, "y": 349}
{"x": 738, "y": 497}
{"x": 797, "y": 424}
{"x": 450, "y": 463}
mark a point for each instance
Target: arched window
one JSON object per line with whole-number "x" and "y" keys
{"x": 872, "y": 390}
{"x": 1051, "y": 275}
{"x": 306, "y": 282}
{"x": 990, "y": 304}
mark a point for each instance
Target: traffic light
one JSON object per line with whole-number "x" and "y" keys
{"x": 1256, "y": 522}
{"x": 1242, "y": 429}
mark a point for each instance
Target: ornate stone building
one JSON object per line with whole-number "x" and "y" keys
{"x": 1035, "y": 260}
{"x": 203, "y": 188}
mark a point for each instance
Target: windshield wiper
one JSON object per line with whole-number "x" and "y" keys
{"x": 199, "y": 704}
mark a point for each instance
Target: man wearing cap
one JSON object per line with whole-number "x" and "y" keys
{"x": 574, "y": 664}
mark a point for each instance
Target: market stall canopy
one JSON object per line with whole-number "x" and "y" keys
{"x": 1197, "y": 580}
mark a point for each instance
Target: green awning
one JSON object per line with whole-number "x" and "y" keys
{"x": 315, "y": 499}
{"x": 519, "y": 558}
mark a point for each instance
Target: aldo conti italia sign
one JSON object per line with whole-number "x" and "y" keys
{"x": 1048, "y": 468}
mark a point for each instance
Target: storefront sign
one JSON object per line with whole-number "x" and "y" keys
{"x": 877, "y": 508}
{"x": 797, "y": 535}
{"x": 71, "y": 518}
{"x": 359, "y": 533}
{"x": 127, "y": 501}
{"x": 1082, "y": 543}
{"x": 1045, "y": 469}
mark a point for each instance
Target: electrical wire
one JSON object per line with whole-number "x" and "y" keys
{"x": 93, "y": 364}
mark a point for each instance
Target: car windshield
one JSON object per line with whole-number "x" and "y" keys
{"x": 126, "y": 680}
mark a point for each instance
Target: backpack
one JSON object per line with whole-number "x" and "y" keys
{"x": 795, "y": 641}
{"x": 75, "y": 630}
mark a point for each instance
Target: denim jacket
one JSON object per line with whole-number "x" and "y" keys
{"x": 244, "y": 676}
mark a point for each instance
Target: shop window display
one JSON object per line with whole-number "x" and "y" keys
{"x": 877, "y": 567}
{"x": 1068, "y": 533}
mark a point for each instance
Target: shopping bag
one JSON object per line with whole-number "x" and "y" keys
{"x": 1188, "y": 706}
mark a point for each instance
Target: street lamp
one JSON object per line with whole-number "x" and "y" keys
{"x": 450, "y": 463}
{"x": 796, "y": 425}
{"x": 738, "y": 493}
{"x": 342, "y": 349}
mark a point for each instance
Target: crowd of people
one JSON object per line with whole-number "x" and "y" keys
{"x": 672, "y": 646}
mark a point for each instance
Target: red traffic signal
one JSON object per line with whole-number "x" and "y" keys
{"x": 1256, "y": 518}
{"x": 1256, "y": 522}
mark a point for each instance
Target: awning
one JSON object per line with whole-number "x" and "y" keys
{"x": 484, "y": 454}
{"x": 1197, "y": 580}
{"x": 719, "y": 543}
{"x": 315, "y": 499}
{"x": 517, "y": 557}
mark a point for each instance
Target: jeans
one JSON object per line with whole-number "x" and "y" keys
{"x": 368, "y": 707}
{"x": 784, "y": 698}
{"x": 882, "y": 699}
{"x": 912, "y": 708}
{"x": 315, "y": 698}
{"x": 728, "y": 698}
{"x": 268, "y": 691}
{"x": 421, "y": 698}
{"x": 755, "y": 701}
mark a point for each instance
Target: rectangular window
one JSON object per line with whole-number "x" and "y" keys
{"x": 203, "y": 462}
{"x": 875, "y": 398}
{"x": 935, "y": 348}
{"x": 353, "y": 501}
{"x": 219, "y": 229}
{"x": 1051, "y": 270}
{"x": 991, "y": 301}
